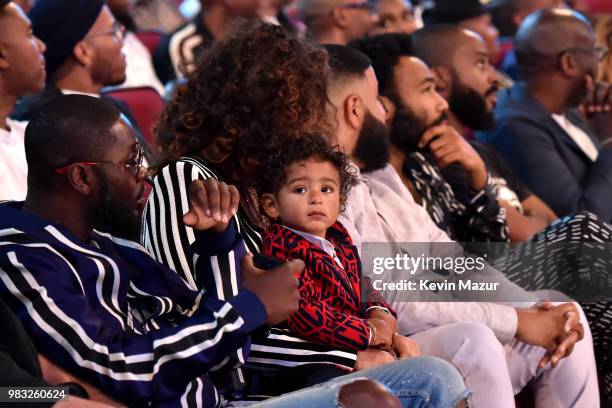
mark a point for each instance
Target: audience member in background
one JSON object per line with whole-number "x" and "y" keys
{"x": 603, "y": 33}
{"x": 473, "y": 216}
{"x": 395, "y": 16}
{"x": 380, "y": 209}
{"x": 157, "y": 15}
{"x": 83, "y": 54}
{"x": 139, "y": 64}
{"x": 509, "y": 15}
{"x": 272, "y": 12}
{"x": 470, "y": 14}
{"x": 179, "y": 52}
{"x": 466, "y": 80}
{"x": 22, "y": 72}
{"x": 337, "y": 21}
{"x": 539, "y": 132}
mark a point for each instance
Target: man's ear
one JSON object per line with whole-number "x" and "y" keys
{"x": 339, "y": 17}
{"x": 83, "y": 53}
{"x": 354, "y": 111}
{"x": 443, "y": 79}
{"x": 82, "y": 179}
{"x": 269, "y": 205}
{"x": 568, "y": 65}
{"x": 389, "y": 108}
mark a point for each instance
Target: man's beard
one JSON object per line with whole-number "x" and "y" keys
{"x": 579, "y": 94}
{"x": 470, "y": 107}
{"x": 115, "y": 217}
{"x": 372, "y": 149}
{"x": 407, "y": 127}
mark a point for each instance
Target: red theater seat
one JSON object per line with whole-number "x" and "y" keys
{"x": 146, "y": 106}
{"x": 150, "y": 39}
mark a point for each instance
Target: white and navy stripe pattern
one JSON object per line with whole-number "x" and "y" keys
{"x": 168, "y": 239}
{"x": 110, "y": 314}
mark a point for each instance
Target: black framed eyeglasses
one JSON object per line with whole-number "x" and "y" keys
{"x": 133, "y": 166}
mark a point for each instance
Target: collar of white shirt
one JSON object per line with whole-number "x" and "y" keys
{"x": 322, "y": 243}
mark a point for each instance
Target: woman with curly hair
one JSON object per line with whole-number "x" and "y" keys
{"x": 249, "y": 96}
{"x": 250, "y": 92}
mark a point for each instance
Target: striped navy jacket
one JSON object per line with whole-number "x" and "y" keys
{"x": 168, "y": 239}
{"x": 108, "y": 313}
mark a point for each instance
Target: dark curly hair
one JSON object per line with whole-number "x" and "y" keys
{"x": 258, "y": 87}
{"x": 310, "y": 146}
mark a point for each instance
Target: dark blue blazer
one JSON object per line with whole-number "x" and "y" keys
{"x": 548, "y": 161}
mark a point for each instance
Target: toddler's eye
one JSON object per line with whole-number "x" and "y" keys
{"x": 299, "y": 190}
{"x": 327, "y": 190}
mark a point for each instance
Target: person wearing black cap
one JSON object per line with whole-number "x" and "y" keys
{"x": 83, "y": 53}
{"x": 470, "y": 14}
{"x": 22, "y": 72}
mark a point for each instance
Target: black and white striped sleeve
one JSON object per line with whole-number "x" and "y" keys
{"x": 49, "y": 298}
{"x": 171, "y": 242}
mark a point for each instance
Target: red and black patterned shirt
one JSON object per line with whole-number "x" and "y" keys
{"x": 332, "y": 309}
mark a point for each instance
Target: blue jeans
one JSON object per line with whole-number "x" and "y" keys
{"x": 417, "y": 382}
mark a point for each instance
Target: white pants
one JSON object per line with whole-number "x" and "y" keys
{"x": 495, "y": 373}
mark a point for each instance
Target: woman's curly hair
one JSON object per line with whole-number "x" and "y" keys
{"x": 258, "y": 87}
{"x": 306, "y": 147}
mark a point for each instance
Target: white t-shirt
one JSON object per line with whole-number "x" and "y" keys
{"x": 13, "y": 165}
{"x": 578, "y": 135}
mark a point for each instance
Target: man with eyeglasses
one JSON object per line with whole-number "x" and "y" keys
{"x": 562, "y": 153}
{"x": 338, "y": 21}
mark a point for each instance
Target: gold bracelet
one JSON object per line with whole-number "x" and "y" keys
{"x": 372, "y": 333}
